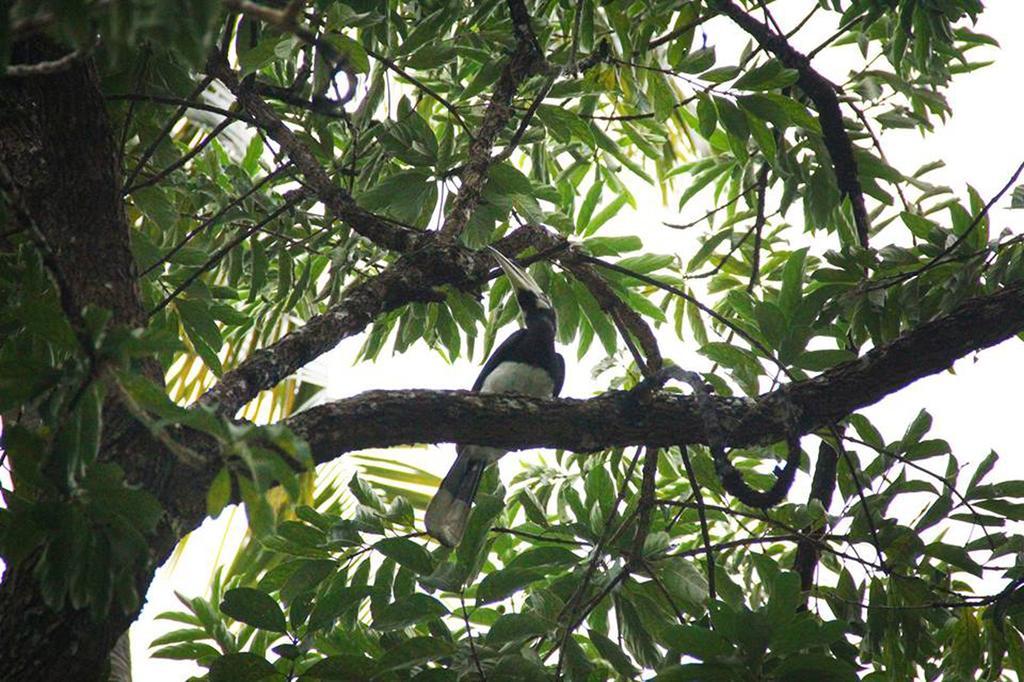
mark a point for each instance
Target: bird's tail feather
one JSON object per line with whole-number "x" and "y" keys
{"x": 448, "y": 512}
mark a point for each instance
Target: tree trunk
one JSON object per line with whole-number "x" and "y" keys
{"x": 57, "y": 144}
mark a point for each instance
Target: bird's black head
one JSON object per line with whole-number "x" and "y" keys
{"x": 538, "y": 312}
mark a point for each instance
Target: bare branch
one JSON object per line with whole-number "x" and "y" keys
{"x": 46, "y": 68}
{"x": 705, "y": 535}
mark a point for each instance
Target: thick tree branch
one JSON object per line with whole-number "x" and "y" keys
{"x": 520, "y": 66}
{"x": 823, "y": 94}
{"x": 386, "y": 418}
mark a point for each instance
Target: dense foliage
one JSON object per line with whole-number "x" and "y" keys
{"x": 283, "y": 162}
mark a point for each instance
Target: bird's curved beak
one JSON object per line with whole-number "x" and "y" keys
{"x": 521, "y": 280}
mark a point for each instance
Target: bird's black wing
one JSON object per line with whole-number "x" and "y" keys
{"x": 494, "y": 360}
{"x": 559, "y": 374}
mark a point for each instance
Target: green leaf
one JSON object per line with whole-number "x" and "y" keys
{"x": 250, "y": 606}
{"x": 544, "y": 556}
{"x": 984, "y": 467}
{"x": 506, "y": 582}
{"x": 662, "y": 97}
{"x": 769, "y": 76}
{"x": 219, "y": 494}
{"x": 609, "y": 145}
{"x": 565, "y": 125}
{"x": 733, "y": 120}
{"x": 610, "y": 246}
{"x": 330, "y": 606}
{"x": 792, "y": 282}
{"x": 784, "y": 598}
{"x": 647, "y": 263}
{"x": 697, "y": 60}
{"x": 684, "y": 581}
{"x": 188, "y": 651}
{"x": 155, "y": 203}
{"x": 199, "y": 323}
{"x": 771, "y": 322}
{"x": 820, "y": 360}
{"x": 409, "y": 196}
{"x": 415, "y": 651}
{"x": 342, "y": 668}
{"x": 408, "y": 611}
{"x": 350, "y": 51}
{"x": 817, "y": 667}
{"x": 867, "y": 431}
{"x": 515, "y": 627}
{"x": 252, "y": 155}
{"x": 366, "y": 495}
{"x": 932, "y": 447}
{"x": 308, "y": 576}
{"x": 611, "y": 652}
{"x": 954, "y": 555}
{"x": 707, "y": 115}
{"x": 406, "y": 553}
{"x": 244, "y": 667}
{"x": 721, "y": 74}
{"x": 921, "y": 425}
{"x": 697, "y": 641}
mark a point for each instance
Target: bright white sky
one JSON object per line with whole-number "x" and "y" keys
{"x": 976, "y": 410}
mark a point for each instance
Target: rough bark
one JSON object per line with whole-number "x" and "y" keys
{"x": 522, "y": 63}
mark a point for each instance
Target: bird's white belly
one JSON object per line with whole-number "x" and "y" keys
{"x": 518, "y": 377}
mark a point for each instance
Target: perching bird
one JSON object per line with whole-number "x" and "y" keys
{"x": 524, "y": 363}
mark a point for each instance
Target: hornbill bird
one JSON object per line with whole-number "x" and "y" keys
{"x": 525, "y": 363}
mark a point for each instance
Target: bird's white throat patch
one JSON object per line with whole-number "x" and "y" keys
{"x": 518, "y": 377}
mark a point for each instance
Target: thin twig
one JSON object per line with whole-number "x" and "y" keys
{"x": 872, "y": 528}
{"x": 188, "y": 104}
{"x": 46, "y": 68}
{"x": 213, "y": 219}
{"x": 755, "y": 258}
{"x": 716, "y": 209}
{"x": 823, "y": 93}
{"x": 703, "y": 308}
{"x": 192, "y": 153}
{"x": 166, "y": 130}
{"x": 182, "y": 453}
{"x": 223, "y": 251}
{"x": 422, "y": 86}
{"x": 698, "y": 500}
{"x": 677, "y": 32}
{"x": 71, "y": 310}
{"x": 609, "y": 535}
{"x": 938, "y": 259}
{"x": 126, "y": 126}
{"x": 469, "y": 635}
